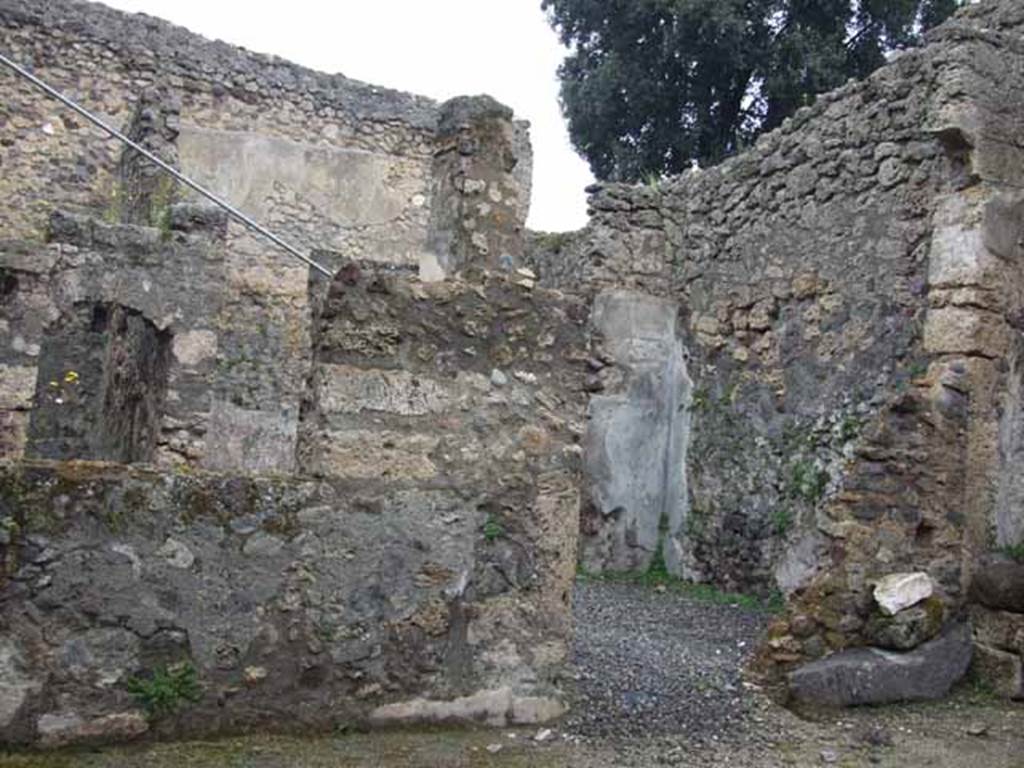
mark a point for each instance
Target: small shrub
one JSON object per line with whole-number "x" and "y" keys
{"x": 493, "y": 530}
{"x": 1015, "y": 551}
{"x": 166, "y": 690}
{"x": 917, "y": 369}
{"x": 782, "y": 520}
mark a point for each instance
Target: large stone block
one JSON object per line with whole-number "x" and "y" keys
{"x": 873, "y": 676}
{"x": 999, "y": 671}
{"x": 347, "y": 389}
{"x": 364, "y": 453}
{"x": 63, "y": 729}
{"x": 965, "y": 331}
{"x": 1000, "y": 585}
{"x": 908, "y": 628}
{"x": 370, "y": 203}
{"x": 250, "y": 440}
{"x": 998, "y": 629}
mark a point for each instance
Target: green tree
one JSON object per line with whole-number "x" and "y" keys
{"x": 650, "y": 86}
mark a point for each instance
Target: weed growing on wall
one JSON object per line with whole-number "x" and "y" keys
{"x": 1015, "y": 551}
{"x": 782, "y": 520}
{"x": 807, "y": 481}
{"x": 493, "y": 530}
{"x": 166, "y": 689}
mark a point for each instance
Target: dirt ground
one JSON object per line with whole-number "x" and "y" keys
{"x": 663, "y": 689}
{"x": 965, "y": 732}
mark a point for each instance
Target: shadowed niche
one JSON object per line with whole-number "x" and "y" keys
{"x": 101, "y": 387}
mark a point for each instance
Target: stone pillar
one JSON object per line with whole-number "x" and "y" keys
{"x": 147, "y": 192}
{"x": 481, "y": 191}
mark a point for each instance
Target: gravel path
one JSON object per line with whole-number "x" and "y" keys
{"x": 650, "y": 663}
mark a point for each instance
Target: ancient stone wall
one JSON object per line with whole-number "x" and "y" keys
{"x": 849, "y": 292}
{"x": 299, "y": 502}
{"x": 62, "y": 351}
{"x": 279, "y": 500}
{"x": 325, "y": 161}
{"x": 418, "y": 569}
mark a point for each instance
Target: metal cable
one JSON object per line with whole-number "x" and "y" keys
{"x": 234, "y": 212}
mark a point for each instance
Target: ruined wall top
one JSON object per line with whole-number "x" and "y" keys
{"x": 327, "y": 163}
{"x": 635, "y": 232}
{"x": 149, "y": 43}
{"x": 992, "y": 15}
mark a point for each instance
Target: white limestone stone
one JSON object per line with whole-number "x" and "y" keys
{"x": 902, "y": 590}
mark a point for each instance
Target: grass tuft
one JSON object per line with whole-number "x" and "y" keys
{"x": 1015, "y": 551}
{"x": 657, "y": 575}
{"x": 166, "y": 690}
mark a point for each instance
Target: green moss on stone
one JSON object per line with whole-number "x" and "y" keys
{"x": 806, "y": 481}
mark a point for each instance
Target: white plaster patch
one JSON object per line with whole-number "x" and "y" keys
{"x": 351, "y": 390}
{"x": 177, "y": 554}
{"x": 15, "y": 683}
{"x": 193, "y": 347}
{"x": 430, "y": 268}
{"x": 955, "y": 256}
{"x": 17, "y": 386}
{"x": 497, "y": 707}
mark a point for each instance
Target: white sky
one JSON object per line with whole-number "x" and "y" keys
{"x": 437, "y": 48}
